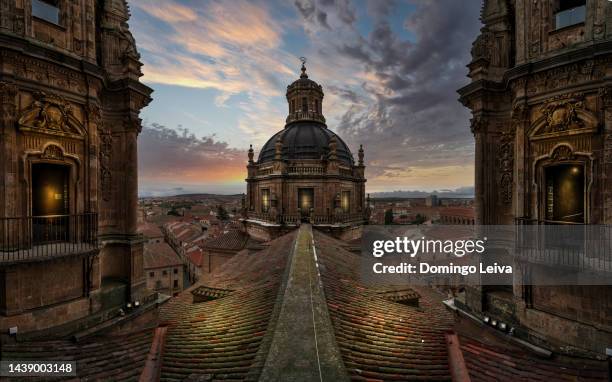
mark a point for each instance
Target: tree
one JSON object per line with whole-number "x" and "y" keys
{"x": 222, "y": 213}
{"x": 388, "y": 217}
{"x": 419, "y": 219}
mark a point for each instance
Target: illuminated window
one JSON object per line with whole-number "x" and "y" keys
{"x": 565, "y": 193}
{"x": 47, "y": 10}
{"x": 345, "y": 201}
{"x": 265, "y": 200}
{"x": 305, "y": 199}
{"x": 570, "y": 12}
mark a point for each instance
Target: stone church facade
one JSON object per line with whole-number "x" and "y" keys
{"x": 305, "y": 172}
{"x": 541, "y": 103}
{"x": 70, "y": 98}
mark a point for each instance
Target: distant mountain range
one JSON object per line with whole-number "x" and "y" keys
{"x": 462, "y": 192}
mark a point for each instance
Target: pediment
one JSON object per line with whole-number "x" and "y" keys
{"x": 53, "y": 115}
{"x": 562, "y": 118}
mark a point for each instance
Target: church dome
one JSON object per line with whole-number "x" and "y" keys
{"x": 305, "y": 140}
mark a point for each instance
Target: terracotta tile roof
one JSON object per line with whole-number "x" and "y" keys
{"x": 98, "y": 358}
{"x": 150, "y": 230}
{"x": 160, "y": 255}
{"x": 233, "y": 240}
{"x": 458, "y": 211}
{"x": 224, "y": 337}
{"x": 381, "y": 340}
{"x": 195, "y": 256}
{"x": 488, "y": 362}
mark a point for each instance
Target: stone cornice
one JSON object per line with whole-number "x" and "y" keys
{"x": 591, "y": 52}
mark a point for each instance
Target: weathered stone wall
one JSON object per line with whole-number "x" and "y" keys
{"x": 540, "y": 97}
{"x": 70, "y": 95}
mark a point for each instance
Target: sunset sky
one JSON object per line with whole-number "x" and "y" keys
{"x": 389, "y": 70}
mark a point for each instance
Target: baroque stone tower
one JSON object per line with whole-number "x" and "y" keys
{"x": 305, "y": 172}
{"x": 541, "y": 103}
{"x": 70, "y": 98}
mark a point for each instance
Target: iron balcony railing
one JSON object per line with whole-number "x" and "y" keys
{"x": 315, "y": 219}
{"x": 564, "y": 244}
{"x": 38, "y": 237}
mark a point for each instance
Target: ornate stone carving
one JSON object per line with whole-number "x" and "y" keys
{"x": 8, "y": 91}
{"x": 477, "y": 124}
{"x": 53, "y": 152}
{"x": 505, "y": 163}
{"x": 94, "y": 113}
{"x": 106, "y": 147}
{"x": 562, "y": 153}
{"x": 520, "y": 113}
{"x": 566, "y": 75}
{"x": 562, "y": 116}
{"x": 483, "y": 46}
{"x": 51, "y": 114}
{"x": 605, "y": 95}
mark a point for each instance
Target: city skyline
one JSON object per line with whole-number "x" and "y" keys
{"x": 389, "y": 71}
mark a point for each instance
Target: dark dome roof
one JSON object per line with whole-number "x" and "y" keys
{"x": 305, "y": 140}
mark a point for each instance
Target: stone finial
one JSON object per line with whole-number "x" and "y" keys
{"x": 303, "y": 75}
{"x": 278, "y": 148}
{"x": 251, "y": 154}
{"x": 360, "y": 154}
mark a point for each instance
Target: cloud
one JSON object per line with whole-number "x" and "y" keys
{"x": 177, "y": 156}
{"x": 390, "y": 86}
{"x": 414, "y": 131}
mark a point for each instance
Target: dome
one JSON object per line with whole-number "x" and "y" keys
{"x": 305, "y": 140}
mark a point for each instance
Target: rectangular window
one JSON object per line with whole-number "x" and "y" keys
{"x": 305, "y": 199}
{"x": 565, "y": 193}
{"x": 304, "y": 105}
{"x": 46, "y": 10}
{"x": 265, "y": 200}
{"x": 176, "y": 283}
{"x": 570, "y": 12}
{"x": 175, "y": 270}
{"x": 346, "y": 201}
{"x": 165, "y": 272}
{"x": 151, "y": 274}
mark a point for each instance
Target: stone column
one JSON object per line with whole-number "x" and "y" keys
{"x": 8, "y": 145}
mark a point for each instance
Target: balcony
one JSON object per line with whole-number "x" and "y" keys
{"x": 38, "y": 238}
{"x": 292, "y": 219}
{"x": 565, "y": 245}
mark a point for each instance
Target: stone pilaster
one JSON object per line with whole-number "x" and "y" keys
{"x": 94, "y": 116}
{"x": 8, "y": 154}
{"x": 606, "y": 171}
{"x": 520, "y": 122}
{"x": 477, "y": 127}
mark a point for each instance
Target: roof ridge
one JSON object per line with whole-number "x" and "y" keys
{"x": 303, "y": 349}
